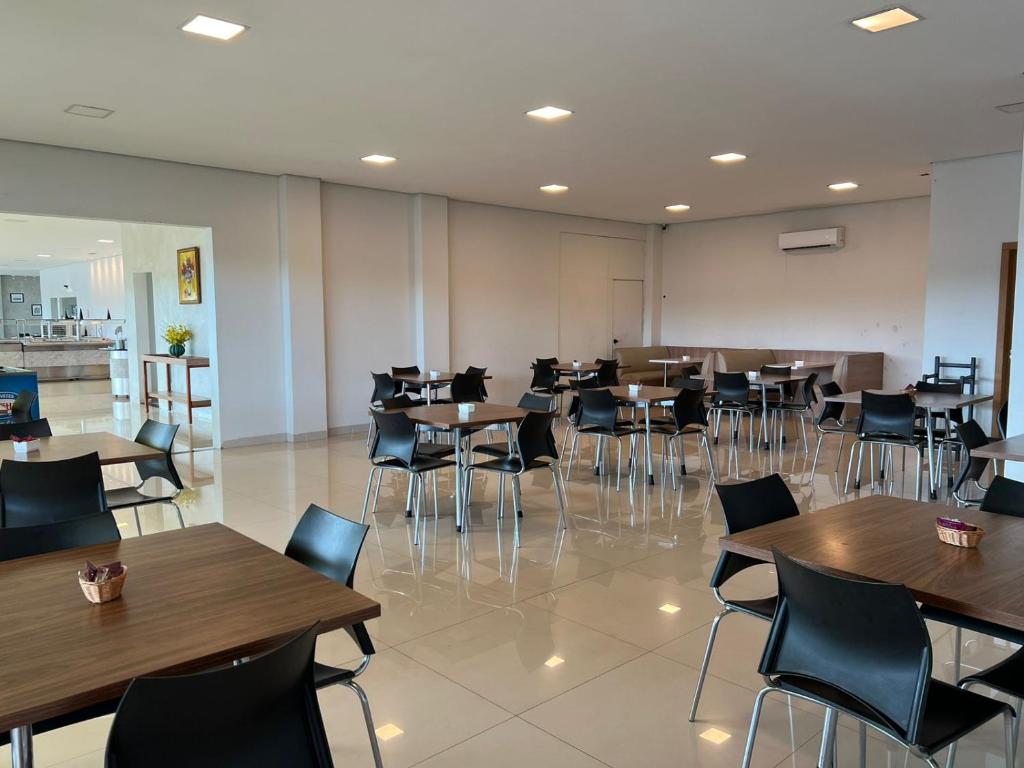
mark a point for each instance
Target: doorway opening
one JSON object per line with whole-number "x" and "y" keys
{"x": 1004, "y": 330}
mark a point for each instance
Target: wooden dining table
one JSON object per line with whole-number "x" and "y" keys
{"x": 430, "y": 383}
{"x": 645, "y": 398}
{"x": 446, "y": 416}
{"x": 111, "y": 448}
{"x": 1010, "y": 449}
{"x": 193, "y": 598}
{"x": 766, "y": 381}
{"x": 882, "y": 538}
{"x": 932, "y": 402}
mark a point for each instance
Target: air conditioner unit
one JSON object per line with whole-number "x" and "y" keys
{"x": 815, "y": 238}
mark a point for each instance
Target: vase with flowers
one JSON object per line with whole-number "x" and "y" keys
{"x": 176, "y": 335}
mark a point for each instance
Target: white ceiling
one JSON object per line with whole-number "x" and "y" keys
{"x": 657, "y": 87}
{"x": 23, "y": 238}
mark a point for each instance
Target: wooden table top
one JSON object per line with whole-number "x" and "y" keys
{"x": 933, "y": 401}
{"x": 583, "y": 367}
{"x": 647, "y": 394}
{"x": 1010, "y": 449}
{"x": 111, "y": 448}
{"x": 193, "y": 598}
{"x": 446, "y": 415}
{"x": 670, "y": 360}
{"x": 443, "y": 377}
{"x": 189, "y": 361}
{"x": 889, "y": 539}
{"x": 767, "y": 379}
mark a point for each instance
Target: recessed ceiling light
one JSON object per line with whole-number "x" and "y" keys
{"x": 44, "y": 255}
{"x": 84, "y": 110}
{"x": 92, "y": 253}
{"x": 216, "y": 28}
{"x": 549, "y": 113}
{"x": 554, "y": 661}
{"x": 843, "y": 186}
{"x": 104, "y": 240}
{"x": 388, "y": 731}
{"x": 729, "y": 157}
{"x": 1010, "y": 109}
{"x": 554, "y": 189}
{"x": 715, "y": 735}
{"x": 677, "y": 207}
{"x": 379, "y": 159}
{"x": 883, "y": 20}
{"x": 669, "y": 608}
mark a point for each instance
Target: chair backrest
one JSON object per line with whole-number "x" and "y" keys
{"x": 574, "y": 404}
{"x": 32, "y": 540}
{"x": 534, "y": 439}
{"x": 972, "y": 467}
{"x": 776, "y": 370}
{"x": 750, "y": 505}
{"x": 608, "y": 373}
{"x": 22, "y": 405}
{"x": 697, "y": 384}
{"x": 808, "y": 396}
{"x": 37, "y": 492}
{"x": 396, "y": 437}
{"x": 950, "y": 387}
{"x": 161, "y": 437}
{"x": 466, "y": 388}
{"x": 402, "y": 370}
{"x": 831, "y": 411}
{"x": 1004, "y": 497}
{"x": 688, "y": 408}
{"x": 688, "y": 371}
{"x": 883, "y": 416}
{"x": 481, "y": 372}
{"x": 864, "y": 640}
{"x": 261, "y": 712}
{"x": 1002, "y": 417}
{"x": 534, "y": 402}
{"x": 547, "y": 361}
{"x": 731, "y": 388}
{"x": 37, "y": 428}
{"x": 544, "y": 376}
{"x": 398, "y": 401}
{"x": 597, "y": 408}
{"x": 383, "y": 386}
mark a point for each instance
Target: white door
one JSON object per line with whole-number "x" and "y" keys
{"x": 627, "y": 313}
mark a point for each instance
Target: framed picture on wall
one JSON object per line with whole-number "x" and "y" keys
{"x": 17, "y": 298}
{"x": 37, "y": 310}
{"x": 189, "y": 286}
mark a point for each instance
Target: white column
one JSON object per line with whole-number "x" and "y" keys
{"x": 652, "y": 285}
{"x": 1015, "y": 417}
{"x": 302, "y": 305}
{"x": 428, "y": 253}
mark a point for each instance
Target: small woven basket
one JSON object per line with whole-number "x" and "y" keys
{"x": 105, "y": 591}
{"x": 959, "y": 538}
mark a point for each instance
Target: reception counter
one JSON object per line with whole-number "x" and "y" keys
{"x": 56, "y": 360}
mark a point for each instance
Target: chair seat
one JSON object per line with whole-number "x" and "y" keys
{"x": 323, "y": 675}
{"x": 670, "y": 429}
{"x": 495, "y": 449}
{"x": 950, "y": 712}
{"x": 619, "y": 431}
{"x": 1007, "y": 675}
{"x": 510, "y": 464}
{"x": 909, "y": 442}
{"x": 762, "y": 607}
{"x": 982, "y": 627}
{"x": 121, "y": 498}
{"x": 838, "y": 429}
{"x": 420, "y": 463}
{"x": 435, "y": 450}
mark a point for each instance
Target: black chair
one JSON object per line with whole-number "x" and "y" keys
{"x": 261, "y": 712}
{"x": 686, "y": 373}
{"x": 598, "y": 417}
{"x": 406, "y": 387}
{"x": 161, "y": 437}
{"x": 37, "y": 428}
{"x": 1004, "y": 497}
{"x": 395, "y": 451}
{"x": 887, "y": 421}
{"x": 472, "y": 370}
{"x": 545, "y": 380}
{"x": 37, "y": 492}
{"x": 732, "y": 396}
{"x": 689, "y": 417}
{"x": 330, "y": 545}
{"x": 575, "y": 385}
{"x": 384, "y": 387}
{"x": 547, "y": 361}
{"x": 861, "y": 649}
{"x": 608, "y": 373}
{"x": 21, "y": 408}
{"x": 745, "y": 505}
{"x": 30, "y": 540}
{"x": 534, "y": 442}
{"x": 437, "y": 450}
{"x": 465, "y": 388}
{"x": 530, "y": 402}
{"x": 972, "y": 468}
{"x": 800, "y": 405}
{"x": 830, "y": 422}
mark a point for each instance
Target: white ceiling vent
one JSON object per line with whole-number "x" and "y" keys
{"x": 83, "y": 110}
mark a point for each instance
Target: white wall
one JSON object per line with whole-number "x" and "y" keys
{"x": 1015, "y": 420}
{"x": 727, "y": 284}
{"x": 98, "y": 285}
{"x": 975, "y": 209}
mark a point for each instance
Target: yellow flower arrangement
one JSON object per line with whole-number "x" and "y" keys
{"x": 177, "y": 333}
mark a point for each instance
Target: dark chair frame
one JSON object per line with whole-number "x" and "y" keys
{"x": 160, "y": 436}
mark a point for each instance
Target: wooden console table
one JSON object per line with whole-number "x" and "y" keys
{"x": 169, "y": 396}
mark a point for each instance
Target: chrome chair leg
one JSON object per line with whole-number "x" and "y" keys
{"x": 418, "y": 506}
{"x": 366, "y": 497}
{"x": 501, "y": 496}
{"x": 917, "y": 478}
{"x": 817, "y": 450}
{"x": 138, "y": 521}
{"x": 517, "y": 504}
{"x": 707, "y": 661}
{"x": 409, "y": 499}
{"x": 618, "y": 465}
{"x": 357, "y": 689}
{"x": 433, "y": 490}
{"x": 711, "y": 461}
{"x": 839, "y": 455}
{"x": 748, "y": 750}
{"x": 826, "y": 753}
{"x": 181, "y": 520}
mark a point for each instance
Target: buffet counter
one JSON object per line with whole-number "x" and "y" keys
{"x": 57, "y": 360}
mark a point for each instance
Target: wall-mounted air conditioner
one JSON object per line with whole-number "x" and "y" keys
{"x": 815, "y": 238}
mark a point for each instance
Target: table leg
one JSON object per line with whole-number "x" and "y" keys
{"x": 21, "y": 747}
{"x": 188, "y": 392}
{"x": 664, "y": 378}
{"x": 930, "y": 425}
{"x": 647, "y": 430}
{"x": 764, "y": 415}
{"x": 459, "y": 480}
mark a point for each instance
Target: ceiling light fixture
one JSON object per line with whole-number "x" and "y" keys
{"x": 843, "y": 186}
{"x": 84, "y": 110}
{"x": 549, "y": 113}
{"x": 554, "y": 189}
{"x": 729, "y": 157}
{"x": 677, "y": 207}
{"x": 44, "y": 255}
{"x": 883, "y": 20}
{"x": 104, "y": 240}
{"x": 379, "y": 159}
{"x": 215, "y": 28}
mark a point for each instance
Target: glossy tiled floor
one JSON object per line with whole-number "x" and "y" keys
{"x": 567, "y": 652}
